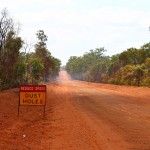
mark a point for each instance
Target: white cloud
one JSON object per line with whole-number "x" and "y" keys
{"x": 72, "y": 31}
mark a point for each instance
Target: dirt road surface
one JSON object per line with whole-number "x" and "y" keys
{"x": 79, "y": 116}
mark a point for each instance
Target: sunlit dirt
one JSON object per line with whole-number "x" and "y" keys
{"x": 79, "y": 116}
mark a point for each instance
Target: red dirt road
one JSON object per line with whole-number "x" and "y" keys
{"x": 79, "y": 116}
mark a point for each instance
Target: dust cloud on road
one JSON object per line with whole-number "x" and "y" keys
{"x": 79, "y": 116}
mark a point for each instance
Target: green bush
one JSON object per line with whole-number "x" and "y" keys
{"x": 146, "y": 82}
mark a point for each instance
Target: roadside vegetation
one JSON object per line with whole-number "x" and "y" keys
{"x": 18, "y": 65}
{"x": 131, "y": 67}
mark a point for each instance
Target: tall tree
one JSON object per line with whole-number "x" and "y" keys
{"x": 45, "y": 56}
{"x": 10, "y": 59}
{"x": 6, "y": 25}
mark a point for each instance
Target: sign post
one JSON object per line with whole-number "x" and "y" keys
{"x": 32, "y": 95}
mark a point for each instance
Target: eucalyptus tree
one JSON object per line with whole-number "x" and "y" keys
{"x": 84, "y": 67}
{"x": 11, "y": 56}
{"x": 36, "y": 68}
{"x": 50, "y": 63}
{"x": 6, "y": 26}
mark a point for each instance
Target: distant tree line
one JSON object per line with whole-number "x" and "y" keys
{"x": 17, "y": 64}
{"x": 131, "y": 67}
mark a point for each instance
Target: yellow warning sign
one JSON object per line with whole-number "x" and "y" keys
{"x": 32, "y": 98}
{"x": 32, "y": 95}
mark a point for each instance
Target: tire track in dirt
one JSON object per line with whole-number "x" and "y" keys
{"x": 79, "y": 116}
{"x": 69, "y": 131}
{"x": 118, "y": 114}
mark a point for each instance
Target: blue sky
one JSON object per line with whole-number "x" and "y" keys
{"x": 74, "y": 27}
